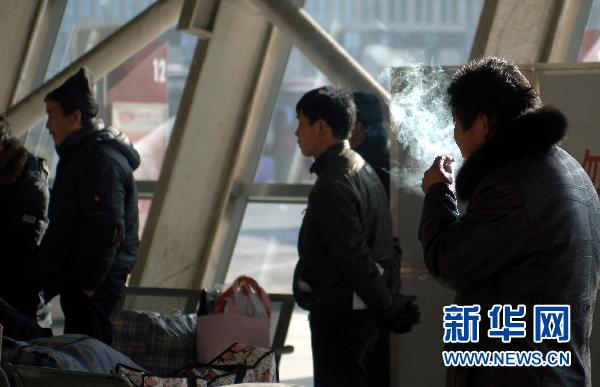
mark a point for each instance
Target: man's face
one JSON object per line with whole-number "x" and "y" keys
{"x": 470, "y": 140}
{"x": 357, "y": 136}
{"x": 308, "y": 136}
{"x": 60, "y": 125}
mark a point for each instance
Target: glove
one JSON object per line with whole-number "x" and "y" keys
{"x": 402, "y": 315}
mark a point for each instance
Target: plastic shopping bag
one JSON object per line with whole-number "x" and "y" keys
{"x": 242, "y": 315}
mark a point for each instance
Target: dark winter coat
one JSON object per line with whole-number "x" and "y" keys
{"x": 530, "y": 235}
{"x": 346, "y": 230}
{"x": 24, "y": 207}
{"x": 93, "y": 231}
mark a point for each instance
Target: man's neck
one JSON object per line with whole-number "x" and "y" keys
{"x": 326, "y": 146}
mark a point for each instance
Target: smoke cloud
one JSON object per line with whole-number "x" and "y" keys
{"x": 421, "y": 123}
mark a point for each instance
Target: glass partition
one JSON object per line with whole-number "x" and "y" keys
{"x": 590, "y": 47}
{"x": 379, "y": 34}
{"x": 140, "y": 97}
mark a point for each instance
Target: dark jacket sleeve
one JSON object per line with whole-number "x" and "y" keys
{"x": 463, "y": 253}
{"x": 102, "y": 198}
{"x": 393, "y": 267}
{"x": 338, "y": 210}
{"x": 32, "y": 214}
{"x": 26, "y": 220}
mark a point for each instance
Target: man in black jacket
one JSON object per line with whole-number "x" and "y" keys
{"x": 345, "y": 247}
{"x": 531, "y": 232}
{"x": 369, "y": 139}
{"x": 92, "y": 241}
{"x": 24, "y": 201}
{"x": 369, "y": 136}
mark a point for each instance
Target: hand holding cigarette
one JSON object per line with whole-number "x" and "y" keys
{"x": 441, "y": 171}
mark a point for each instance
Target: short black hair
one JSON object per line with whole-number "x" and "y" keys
{"x": 494, "y": 87}
{"x": 334, "y": 105}
{"x": 369, "y": 112}
{"x": 368, "y": 108}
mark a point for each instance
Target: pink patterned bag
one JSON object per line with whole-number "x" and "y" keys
{"x": 240, "y": 363}
{"x": 242, "y": 315}
{"x": 252, "y": 365}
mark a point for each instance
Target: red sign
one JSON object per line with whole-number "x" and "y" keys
{"x": 142, "y": 78}
{"x": 591, "y": 164}
{"x": 590, "y": 48}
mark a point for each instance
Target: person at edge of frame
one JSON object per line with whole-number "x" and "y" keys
{"x": 531, "y": 232}
{"x": 24, "y": 197}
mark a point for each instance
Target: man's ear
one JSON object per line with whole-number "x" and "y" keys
{"x": 322, "y": 126}
{"x": 76, "y": 118}
{"x": 482, "y": 125}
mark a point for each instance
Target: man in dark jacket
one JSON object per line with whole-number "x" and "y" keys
{"x": 24, "y": 201}
{"x": 345, "y": 247}
{"x": 92, "y": 240}
{"x": 369, "y": 136}
{"x": 369, "y": 139}
{"x": 531, "y": 232}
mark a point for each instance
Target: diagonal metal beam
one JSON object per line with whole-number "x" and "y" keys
{"x": 41, "y": 47}
{"x": 322, "y": 49}
{"x": 526, "y": 31}
{"x": 229, "y": 80}
{"x": 20, "y": 20}
{"x": 110, "y": 53}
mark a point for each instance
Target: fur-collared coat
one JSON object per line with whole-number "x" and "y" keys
{"x": 24, "y": 208}
{"x": 530, "y": 236}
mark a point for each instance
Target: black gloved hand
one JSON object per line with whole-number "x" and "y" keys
{"x": 402, "y": 315}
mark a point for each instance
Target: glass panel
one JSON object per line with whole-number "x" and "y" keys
{"x": 39, "y": 142}
{"x": 266, "y": 245}
{"x": 590, "y": 47}
{"x": 144, "y": 208}
{"x": 379, "y": 34}
{"x": 87, "y": 23}
{"x": 83, "y": 26}
{"x": 266, "y": 251}
{"x": 141, "y": 98}
{"x": 281, "y": 160}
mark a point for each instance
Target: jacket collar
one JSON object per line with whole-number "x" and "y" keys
{"x": 329, "y": 155}
{"x": 532, "y": 133}
{"x": 75, "y": 138}
{"x": 12, "y": 162}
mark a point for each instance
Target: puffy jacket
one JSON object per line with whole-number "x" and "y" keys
{"x": 24, "y": 208}
{"x": 93, "y": 212}
{"x": 530, "y": 235}
{"x": 345, "y": 231}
